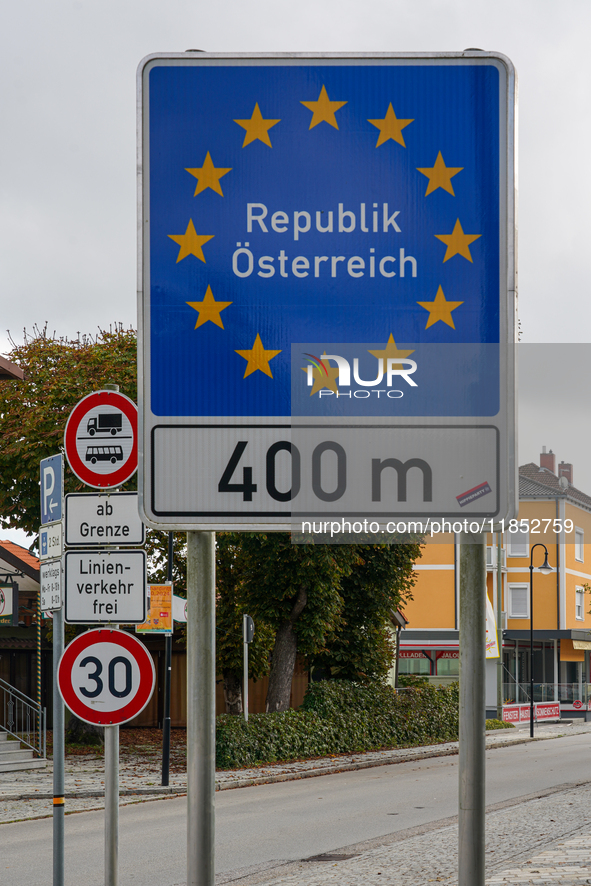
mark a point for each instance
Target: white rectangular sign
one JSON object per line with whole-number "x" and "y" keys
{"x": 105, "y": 587}
{"x": 235, "y": 475}
{"x": 50, "y": 574}
{"x": 51, "y": 541}
{"x": 99, "y": 519}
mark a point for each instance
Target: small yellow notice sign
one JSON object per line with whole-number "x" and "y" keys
{"x": 159, "y": 620}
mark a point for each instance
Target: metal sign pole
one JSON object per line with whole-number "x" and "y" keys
{"x": 39, "y": 663}
{"x": 58, "y": 754}
{"x": 111, "y": 805}
{"x": 245, "y": 669}
{"x": 500, "y": 625}
{"x": 167, "y": 681}
{"x": 200, "y": 708}
{"x": 112, "y": 802}
{"x": 471, "y": 830}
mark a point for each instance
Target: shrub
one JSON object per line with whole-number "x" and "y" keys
{"x": 499, "y": 724}
{"x": 338, "y": 717}
{"x": 412, "y": 680}
{"x": 270, "y": 738}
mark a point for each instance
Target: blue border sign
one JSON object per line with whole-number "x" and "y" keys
{"x": 289, "y": 200}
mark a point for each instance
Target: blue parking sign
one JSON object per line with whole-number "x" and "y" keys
{"x": 290, "y": 203}
{"x": 51, "y": 488}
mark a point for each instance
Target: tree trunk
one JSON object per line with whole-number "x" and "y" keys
{"x": 232, "y": 692}
{"x": 284, "y": 658}
{"x": 79, "y": 732}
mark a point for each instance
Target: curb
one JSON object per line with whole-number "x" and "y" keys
{"x": 431, "y": 751}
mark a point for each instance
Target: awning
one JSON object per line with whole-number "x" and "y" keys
{"x": 428, "y": 644}
{"x": 570, "y": 652}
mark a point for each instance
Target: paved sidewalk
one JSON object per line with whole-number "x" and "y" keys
{"x": 544, "y": 840}
{"x": 541, "y": 841}
{"x": 568, "y": 864}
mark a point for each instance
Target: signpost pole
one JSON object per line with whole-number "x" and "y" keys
{"x": 245, "y": 669}
{"x": 39, "y": 665}
{"x": 500, "y": 625}
{"x": 167, "y": 682}
{"x": 58, "y": 754}
{"x": 200, "y": 708}
{"x": 111, "y": 805}
{"x": 472, "y": 709}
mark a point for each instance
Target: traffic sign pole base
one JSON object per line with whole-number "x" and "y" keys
{"x": 111, "y": 805}
{"x": 200, "y": 708}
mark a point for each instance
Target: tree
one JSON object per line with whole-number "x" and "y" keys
{"x": 294, "y": 589}
{"x": 363, "y": 648}
{"x": 330, "y": 603}
{"x": 34, "y": 412}
{"x": 157, "y": 552}
{"x": 231, "y": 604}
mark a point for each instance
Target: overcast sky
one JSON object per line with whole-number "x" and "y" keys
{"x": 68, "y": 199}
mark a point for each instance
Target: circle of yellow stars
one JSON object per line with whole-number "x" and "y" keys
{"x": 324, "y": 110}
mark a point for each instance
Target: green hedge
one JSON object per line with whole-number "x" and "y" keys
{"x": 338, "y": 717}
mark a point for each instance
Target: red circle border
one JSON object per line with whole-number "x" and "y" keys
{"x": 87, "y": 713}
{"x": 81, "y": 470}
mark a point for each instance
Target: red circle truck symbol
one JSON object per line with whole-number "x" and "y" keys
{"x": 101, "y": 439}
{"x": 106, "y": 677}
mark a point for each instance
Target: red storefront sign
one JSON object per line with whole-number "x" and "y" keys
{"x": 417, "y": 653}
{"x": 519, "y": 713}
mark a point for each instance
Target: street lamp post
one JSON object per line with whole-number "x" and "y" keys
{"x": 545, "y": 567}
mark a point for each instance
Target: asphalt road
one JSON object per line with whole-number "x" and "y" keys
{"x": 291, "y": 820}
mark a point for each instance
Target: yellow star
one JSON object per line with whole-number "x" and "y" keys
{"x": 209, "y": 309}
{"x": 191, "y": 242}
{"x": 208, "y": 176}
{"x": 324, "y": 109}
{"x": 258, "y": 358}
{"x": 390, "y": 127}
{"x": 457, "y": 242}
{"x": 440, "y": 309}
{"x": 322, "y": 379}
{"x": 256, "y": 128}
{"x": 391, "y": 350}
{"x": 440, "y": 176}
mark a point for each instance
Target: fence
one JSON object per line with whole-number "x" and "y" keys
{"x": 23, "y": 718}
{"x": 567, "y": 693}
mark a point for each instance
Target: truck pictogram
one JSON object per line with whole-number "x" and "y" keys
{"x": 105, "y": 423}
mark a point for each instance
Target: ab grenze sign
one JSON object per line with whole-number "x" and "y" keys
{"x": 328, "y": 288}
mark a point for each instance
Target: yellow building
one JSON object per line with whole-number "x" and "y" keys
{"x": 552, "y": 511}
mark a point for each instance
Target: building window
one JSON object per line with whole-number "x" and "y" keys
{"x": 580, "y": 604}
{"x": 518, "y": 601}
{"x": 579, "y": 545}
{"x": 448, "y": 664}
{"x": 417, "y": 664}
{"x": 519, "y": 543}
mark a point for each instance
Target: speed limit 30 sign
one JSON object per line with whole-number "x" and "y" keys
{"x": 106, "y": 677}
